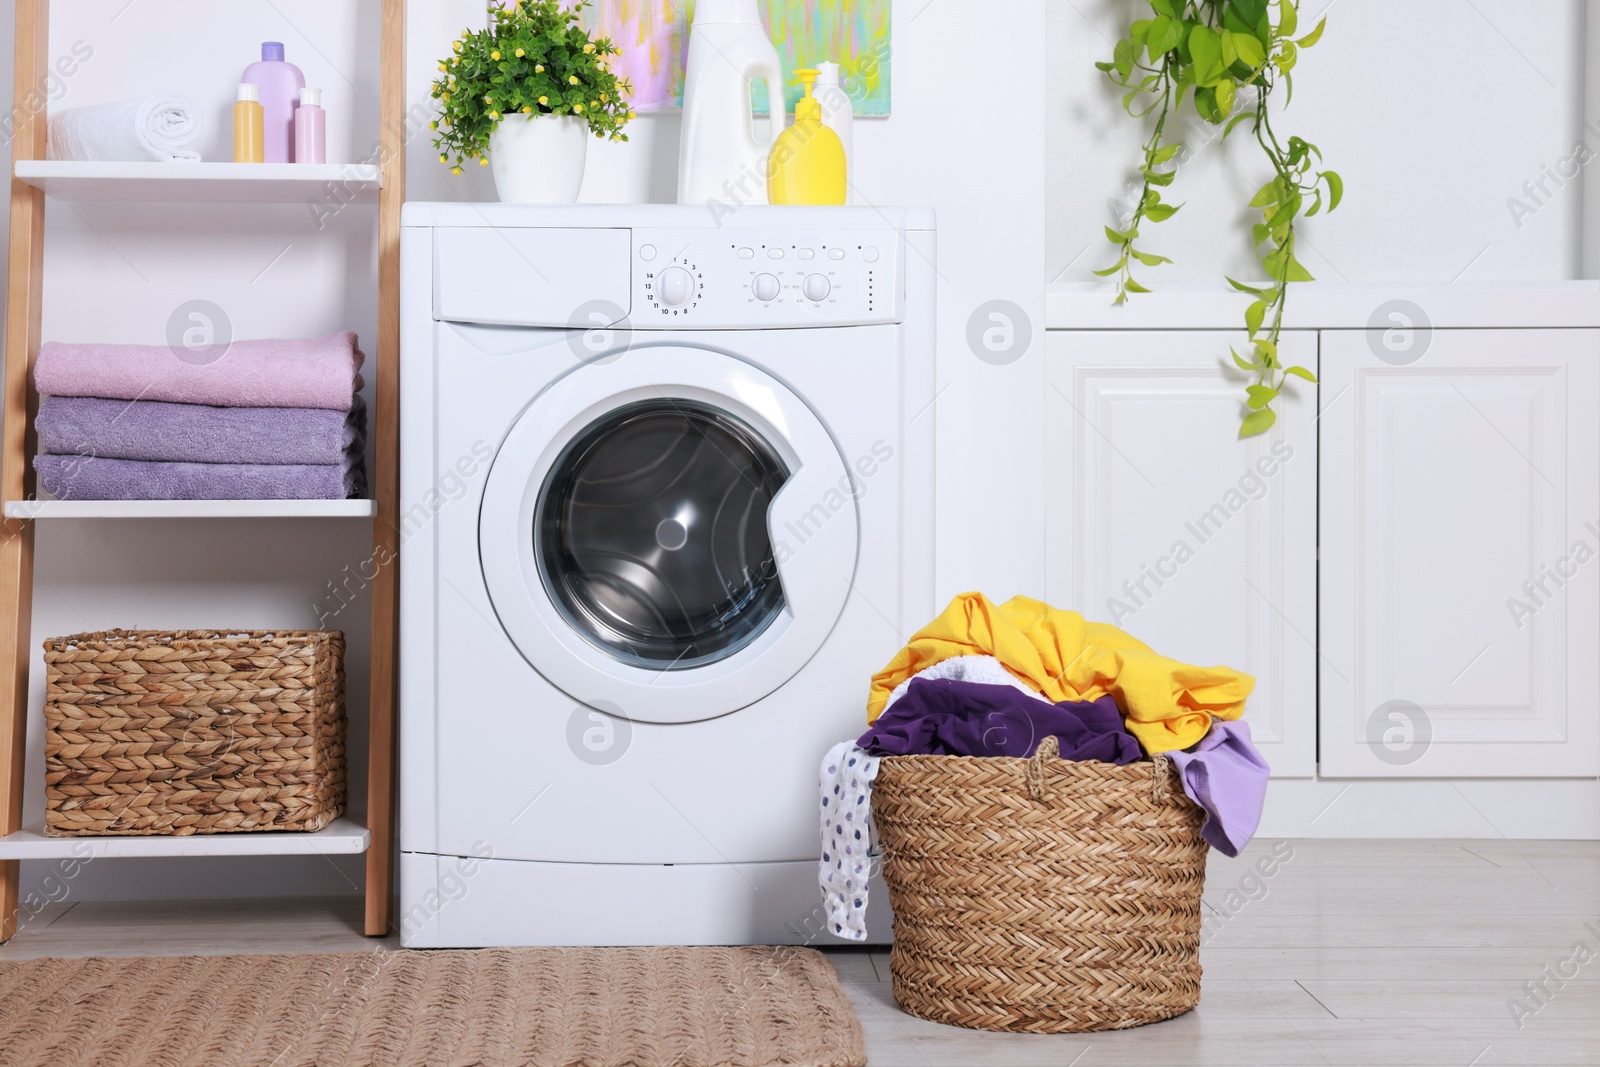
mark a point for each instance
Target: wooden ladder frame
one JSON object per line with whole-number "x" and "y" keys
{"x": 23, "y": 309}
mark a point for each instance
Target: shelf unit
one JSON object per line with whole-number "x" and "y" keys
{"x": 33, "y": 180}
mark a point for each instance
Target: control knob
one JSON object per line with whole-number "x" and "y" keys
{"x": 817, "y": 288}
{"x": 676, "y": 286}
{"x": 766, "y": 287}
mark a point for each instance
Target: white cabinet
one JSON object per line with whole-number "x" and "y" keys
{"x": 1163, "y": 522}
{"x": 1460, "y": 540}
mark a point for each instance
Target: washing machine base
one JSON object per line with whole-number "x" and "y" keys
{"x": 477, "y": 902}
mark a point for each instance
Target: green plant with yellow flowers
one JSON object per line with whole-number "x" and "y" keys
{"x": 535, "y": 58}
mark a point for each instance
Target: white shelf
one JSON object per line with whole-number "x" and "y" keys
{"x": 341, "y": 837}
{"x": 205, "y": 183}
{"x": 191, "y": 509}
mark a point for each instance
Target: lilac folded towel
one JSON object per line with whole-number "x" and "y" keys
{"x": 88, "y": 478}
{"x": 305, "y": 373}
{"x": 1227, "y": 776}
{"x": 190, "y": 433}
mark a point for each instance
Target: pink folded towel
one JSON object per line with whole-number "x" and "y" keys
{"x": 302, "y": 373}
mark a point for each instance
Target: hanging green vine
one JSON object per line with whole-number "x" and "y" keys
{"x": 1218, "y": 49}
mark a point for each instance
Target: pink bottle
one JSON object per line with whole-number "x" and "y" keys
{"x": 280, "y": 84}
{"x": 310, "y": 128}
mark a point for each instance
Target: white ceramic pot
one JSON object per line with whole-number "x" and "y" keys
{"x": 539, "y": 159}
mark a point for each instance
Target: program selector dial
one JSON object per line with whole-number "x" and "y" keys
{"x": 676, "y": 286}
{"x": 817, "y": 288}
{"x": 766, "y": 287}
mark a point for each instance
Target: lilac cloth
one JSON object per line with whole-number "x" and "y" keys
{"x": 302, "y": 373}
{"x": 1227, "y": 776}
{"x": 191, "y": 433}
{"x": 945, "y": 717}
{"x": 90, "y": 478}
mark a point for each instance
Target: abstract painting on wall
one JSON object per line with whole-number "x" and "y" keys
{"x": 654, "y": 38}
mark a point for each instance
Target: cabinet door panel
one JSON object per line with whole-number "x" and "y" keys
{"x": 1460, "y": 581}
{"x": 1163, "y": 522}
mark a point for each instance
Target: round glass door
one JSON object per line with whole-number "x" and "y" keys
{"x": 650, "y": 533}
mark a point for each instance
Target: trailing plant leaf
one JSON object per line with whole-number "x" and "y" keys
{"x": 1219, "y": 49}
{"x": 1261, "y": 396}
{"x": 1258, "y": 422}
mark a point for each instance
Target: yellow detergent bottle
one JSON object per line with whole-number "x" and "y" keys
{"x": 807, "y": 161}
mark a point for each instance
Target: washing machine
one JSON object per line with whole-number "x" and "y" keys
{"x": 667, "y": 502}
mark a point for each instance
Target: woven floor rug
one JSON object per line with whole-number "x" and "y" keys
{"x": 622, "y": 1007}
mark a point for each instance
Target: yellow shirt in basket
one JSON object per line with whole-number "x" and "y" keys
{"x": 1167, "y": 705}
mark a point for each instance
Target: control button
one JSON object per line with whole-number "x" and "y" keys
{"x": 774, "y": 253}
{"x": 647, "y": 252}
{"x": 817, "y": 288}
{"x": 869, "y": 254}
{"x": 766, "y": 287}
{"x": 676, "y": 286}
{"x": 747, "y": 253}
{"x": 806, "y": 253}
{"x": 835, "y": 253}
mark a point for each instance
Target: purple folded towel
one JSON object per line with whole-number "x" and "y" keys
{"x": 302, "y": 373}
{"x": 191, "y": 433}
{"x": 88, "y": 478}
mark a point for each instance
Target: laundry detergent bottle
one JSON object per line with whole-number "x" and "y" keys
{"x": 280, "y": 84}
{"x": 720, "y": 160}
{"x": 807, "y": 164}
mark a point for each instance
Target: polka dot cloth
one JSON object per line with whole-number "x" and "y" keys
{"x": 848, "y": 838}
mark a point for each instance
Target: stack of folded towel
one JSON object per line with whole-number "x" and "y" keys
{"x": 268, "y": 420}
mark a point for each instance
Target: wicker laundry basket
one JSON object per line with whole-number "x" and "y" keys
{"x": 193, "y": 732}
{"x": 1041, "y": 895}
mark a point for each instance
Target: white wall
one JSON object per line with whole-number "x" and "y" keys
{"x": 116, "y": 274}
{"x": 1435, "y": 112}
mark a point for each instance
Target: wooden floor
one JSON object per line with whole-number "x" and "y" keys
{"x": 1360, "y": 953}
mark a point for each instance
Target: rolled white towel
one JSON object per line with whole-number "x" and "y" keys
{"x": 158, "y": 127}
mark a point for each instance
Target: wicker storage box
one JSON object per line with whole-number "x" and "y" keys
{"x": 193, "y": 732}
{"x": 1041, "y": 895}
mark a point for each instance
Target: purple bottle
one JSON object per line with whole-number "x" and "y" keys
{"x": 280, "y": 84}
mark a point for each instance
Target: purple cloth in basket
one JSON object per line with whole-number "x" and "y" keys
{"x": 297, "y": 373}
{"x": 1227, "y": 776}
{"x": 92, "y": 478}
{"x": 945, "y": 717}
{"x": 192, "y": 433}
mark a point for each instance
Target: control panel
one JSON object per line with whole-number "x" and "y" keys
{"x": 743, "y": 279}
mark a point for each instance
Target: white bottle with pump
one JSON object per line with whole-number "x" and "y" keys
{"x": 838, "y": 116}
{"x": 719, "y": 157}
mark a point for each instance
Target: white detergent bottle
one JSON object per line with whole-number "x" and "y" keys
{"x": 838, "y": 116}
{"x": 720, "y": 162}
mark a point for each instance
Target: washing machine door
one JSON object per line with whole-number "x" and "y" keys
{"x": 668, "y": 533}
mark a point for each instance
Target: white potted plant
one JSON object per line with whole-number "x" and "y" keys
{"x": 522, "y": 95}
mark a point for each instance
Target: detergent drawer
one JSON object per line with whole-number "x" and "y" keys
{"x": 546, "y": 277}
